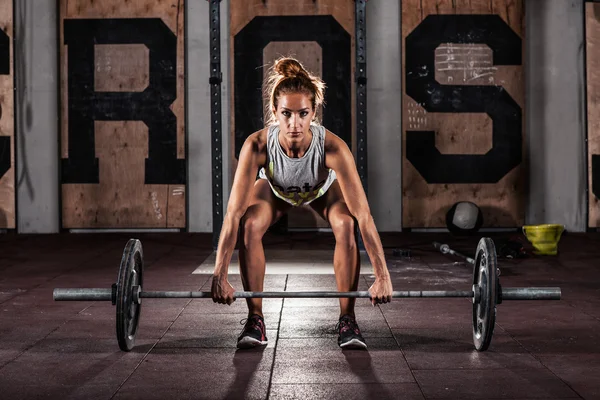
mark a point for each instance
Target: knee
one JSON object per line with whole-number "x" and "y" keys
{"x": 253, "y": 228}
{"x": 343, "y": 227}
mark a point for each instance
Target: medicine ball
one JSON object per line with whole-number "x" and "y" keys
{"x": 464, "y": 217}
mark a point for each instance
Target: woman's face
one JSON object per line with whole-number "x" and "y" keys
{"x": 294, "y": 113}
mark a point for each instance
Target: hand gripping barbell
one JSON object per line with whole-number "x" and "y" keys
{"x": 485, "y": 293}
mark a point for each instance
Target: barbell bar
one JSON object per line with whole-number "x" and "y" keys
{"x": 96, "y": 294}
{"x": 446, "y": 249}
{"x": 486, "y": 293}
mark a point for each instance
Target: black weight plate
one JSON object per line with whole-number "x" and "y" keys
{"x": 131, "y": 273}
{"x": 485, "y": 280}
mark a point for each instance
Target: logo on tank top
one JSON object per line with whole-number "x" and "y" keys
{"x": 303, "y": 191}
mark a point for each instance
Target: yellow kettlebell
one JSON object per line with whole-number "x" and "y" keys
{"x": 544, "y": 238}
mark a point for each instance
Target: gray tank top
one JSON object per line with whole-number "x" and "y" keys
{"x": 301, "y": 180}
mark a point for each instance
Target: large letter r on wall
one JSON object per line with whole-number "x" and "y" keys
{"x": 152, "y": 106}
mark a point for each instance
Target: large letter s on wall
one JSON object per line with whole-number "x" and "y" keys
{"x": 422, "y": 87}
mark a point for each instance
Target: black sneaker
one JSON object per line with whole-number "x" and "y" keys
{"x": 254, "y": 333}
{"x": 349, "y": 334}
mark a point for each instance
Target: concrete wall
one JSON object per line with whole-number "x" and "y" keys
{"x": 556, "y": 113}
{"x": 384, "y": 111}
{"x": 199, "y": 132}
{"x": 36, "y": 106}
{"x": 554, "y": 116}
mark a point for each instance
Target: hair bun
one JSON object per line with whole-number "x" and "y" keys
{"x": 289, "y": 68}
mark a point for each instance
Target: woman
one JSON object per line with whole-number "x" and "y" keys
{"x": 299, "y": 163}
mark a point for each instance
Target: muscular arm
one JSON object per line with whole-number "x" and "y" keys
{"x": 339, "y": 158}
{"x": 251, "y": 158}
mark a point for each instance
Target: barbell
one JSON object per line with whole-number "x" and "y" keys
{"x": 446, "y": 249}
{"x": 486, "y": 293}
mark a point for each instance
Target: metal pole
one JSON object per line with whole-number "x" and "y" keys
{"x": 215, "y": 120}
{"x": 361, "y": 89}
{"x": 531, "y": 293}
{"x": 83, "y": 294}
{"x": 360, "y": 22}
{"x": 548, "y": 293}
{"x": 445, "y": 249}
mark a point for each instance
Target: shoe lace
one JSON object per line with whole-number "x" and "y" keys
{"x": 250, "y": 323}
{"x": 346, "y": 324}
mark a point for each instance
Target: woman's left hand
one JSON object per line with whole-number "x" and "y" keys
{"x": 381, "y": 291}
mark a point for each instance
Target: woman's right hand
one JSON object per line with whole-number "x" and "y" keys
{"x": 222, "y": 291}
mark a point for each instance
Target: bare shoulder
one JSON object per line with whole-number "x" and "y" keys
{"x": 257, "y": 140}
{"x": 333, "y": 143}
{"x": 255, "y": 145}
{"x": 337, "y": 152}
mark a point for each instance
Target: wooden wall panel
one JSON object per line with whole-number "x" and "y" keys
{"x": 321, "y": 45}
{"x": 446, "y": 110}
{"x": 7, "y": 120}
{"x": 122, "y": 89}
{"x": 592, "y": 11}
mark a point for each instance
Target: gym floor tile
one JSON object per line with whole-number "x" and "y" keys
{"x": 239, "y": 306}
{"x": 47, "y": 391}
{"x": 491, "y": 384}
{"x": 186, "y": 348}
{"x": 428, "y": 313}
{"x": 16, "y": 308}
{"x": 558, "y": 341}
{"x": 45, "y": 368}
{"x": 22, "y": 280}
{"x": 207, "y": 338}
{"x": 89, "y": 331}
{"x": 469, "y": 359}
{"x": 411, "y": 280}
{"x": 7, "y": 294}
{"x": 330, "y": 344}
{"x": 272, "y": 282}
{"x": 206, "y": 387}
{"x": 588, "y": 307}
{"x": 581, "y": 372}
{"x": 21, "y": 333}
{"x": 199, "y": 321}
{"x": 200, "y": 373}
{"x": 309, "y": 322}
{"x": 305, "y": 282}
{"x": 97, "y": 278}
{"x": 369, "y": 313}
{"x": 152, "y": 307}
{"x": 345, "y": 391}
{"x": 7, "y": 355}
{"x": 444, "y": 349}
{"x": 572, "y": 290}
{"x": 200, "y": 360}
{"x": 559, "y": 328}
{"x": 451, "y": 339}
{"x": 318, "y": 287}
{"x": 327, "y": 363}
{"x": 547, "y": 314}
{"x": 89, "y": 392}
{"x": 322, "y": 302}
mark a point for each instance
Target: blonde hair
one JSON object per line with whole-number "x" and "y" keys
{"x": 288, "y": 75}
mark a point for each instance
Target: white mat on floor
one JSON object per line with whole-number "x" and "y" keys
{"x": 302, "y": 262}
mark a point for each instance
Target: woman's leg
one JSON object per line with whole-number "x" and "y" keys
{"x": 264, "y": 210}
{"x": 346, "y": 260}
